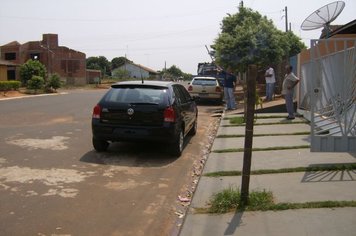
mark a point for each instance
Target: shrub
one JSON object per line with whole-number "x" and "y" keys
{"x": 6, "y": 86}
{"x": 9, "y": 85}
{"x": 53, "y": 83}
{"x": 31, "y": 68}
{"x": 36, "y": 82}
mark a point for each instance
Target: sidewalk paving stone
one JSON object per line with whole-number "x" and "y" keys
{"x": 277, "y": 159}
{"x": 265, "y": 129}
{"x": 303, "y": 222}
{"x": 262, "y": 142}
{"x": 295, "y": 187}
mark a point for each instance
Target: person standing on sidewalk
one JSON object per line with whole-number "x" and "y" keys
{"x": 229, "y": 88}
{"x": 270, "y": 81}
{"x": 289, "y": 82}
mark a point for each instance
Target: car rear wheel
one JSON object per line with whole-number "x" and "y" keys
{"x": 177, "y": 145}
{"x": 100, "y": 145}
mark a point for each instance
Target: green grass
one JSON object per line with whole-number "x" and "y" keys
{"x": 328, "y": 167}
{"x": 229, "y": 200}
{"x": 260, "y": 149}
{"x": 258, "y": 117}
{"x": 237, "y": 120}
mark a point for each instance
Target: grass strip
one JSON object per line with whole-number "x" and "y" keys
{"x": 261, "y": 149}
{"x": 259, "y": 135}
{"x": 327, "y": 167}
{"x": 228, "y": 200}
{"x": 258, "y": 117}
{"x": 272, "y": 123}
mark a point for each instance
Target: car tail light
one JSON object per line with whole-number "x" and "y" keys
{"x": 190, "y": 88}
{"x": 218, "y": 89}
{"x": 169, "y": 115}
{"x": 97, "y": 112}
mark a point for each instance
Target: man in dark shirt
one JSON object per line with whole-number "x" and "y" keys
{"x": 229, "y": 88}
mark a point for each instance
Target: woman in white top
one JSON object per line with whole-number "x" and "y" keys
{"x": 270, "y": 81}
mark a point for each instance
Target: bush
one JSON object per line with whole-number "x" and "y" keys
{"x": 31, "y": 68}
{"x": 53, "y": 83}
{"x": 9, "y": 85}
{"x": 36, "y": 82}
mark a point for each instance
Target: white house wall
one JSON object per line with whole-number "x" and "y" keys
{"x": 135, "y": 71}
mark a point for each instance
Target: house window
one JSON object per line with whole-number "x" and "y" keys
{"x": 10, "y": 56}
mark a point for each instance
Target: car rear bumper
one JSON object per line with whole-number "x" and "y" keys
{"x": 208, "y": 95}
{"x": 164, "y": 134}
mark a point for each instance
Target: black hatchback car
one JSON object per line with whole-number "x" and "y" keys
{"x": 135, "y": 111}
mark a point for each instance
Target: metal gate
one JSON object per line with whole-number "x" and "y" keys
{"x": 332, "y": 79}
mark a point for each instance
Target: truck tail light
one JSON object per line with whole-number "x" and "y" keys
{"x": 96, "y": 112}
{"x": 169, "y": 115}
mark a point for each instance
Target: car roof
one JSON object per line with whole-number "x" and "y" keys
{"x": 201, "y": 77}
{"x": 145, "y": 82}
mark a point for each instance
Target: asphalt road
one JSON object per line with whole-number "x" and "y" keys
{"x": 52, "y": 182}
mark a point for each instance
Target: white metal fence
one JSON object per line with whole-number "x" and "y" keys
{"x": 328, "y": 91}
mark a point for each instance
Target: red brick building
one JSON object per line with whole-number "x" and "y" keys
{"x": 69, "y": 64}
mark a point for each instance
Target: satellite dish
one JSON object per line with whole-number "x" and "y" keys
{"x": 323, "y": 16}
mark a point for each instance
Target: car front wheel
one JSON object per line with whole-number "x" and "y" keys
{"x": 100, "y": 145}
{"x": 177, "y": 145}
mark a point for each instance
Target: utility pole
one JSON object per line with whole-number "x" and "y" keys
{"x": 286, "y": 17}
{"x": 251, "y": 97}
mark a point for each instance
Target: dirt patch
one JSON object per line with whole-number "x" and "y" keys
{"x": 56, "y": 143}
{"x": 12, "y": 94}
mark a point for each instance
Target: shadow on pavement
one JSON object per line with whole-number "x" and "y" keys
{"x": 234, "y": 223}
{"x": 134, "y": 154}
{"x": 329, "y": 176}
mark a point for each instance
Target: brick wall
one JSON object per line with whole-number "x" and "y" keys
{"x": 69, "y": 64}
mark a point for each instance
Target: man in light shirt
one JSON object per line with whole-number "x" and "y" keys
{"x": 289, "y": 82}
{"x": 270, "y": 81}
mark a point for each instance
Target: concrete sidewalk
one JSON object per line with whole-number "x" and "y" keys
{"x": 296, "y": 187}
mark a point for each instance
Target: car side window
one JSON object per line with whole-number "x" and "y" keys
{"x": 177, "y": 94}
{"x": 185, "y": 94}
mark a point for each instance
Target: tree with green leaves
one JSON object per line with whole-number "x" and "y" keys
{"x": 99, "y": 63}
{"x": 174, "y": 71}
{"x": 31, "y": 68}
{"x": 116, "y": 62}
{"x": 247, "y": 38}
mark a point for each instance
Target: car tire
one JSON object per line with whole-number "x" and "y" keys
{"x": 177, "y": 145}
{"x": 100, "y": 145}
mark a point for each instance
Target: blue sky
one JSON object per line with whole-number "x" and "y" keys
{"x": 148, "y": 32}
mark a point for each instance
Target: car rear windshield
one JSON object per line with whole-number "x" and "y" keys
{"x": 150, "y": 95}
{"x": 207, "y": 82}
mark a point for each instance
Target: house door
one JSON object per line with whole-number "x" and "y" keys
{"x": 332, "y": 80}
{"x": 11, "y": 74}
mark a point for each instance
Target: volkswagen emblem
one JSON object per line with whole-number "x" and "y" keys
{"x": 130, "y": 111}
